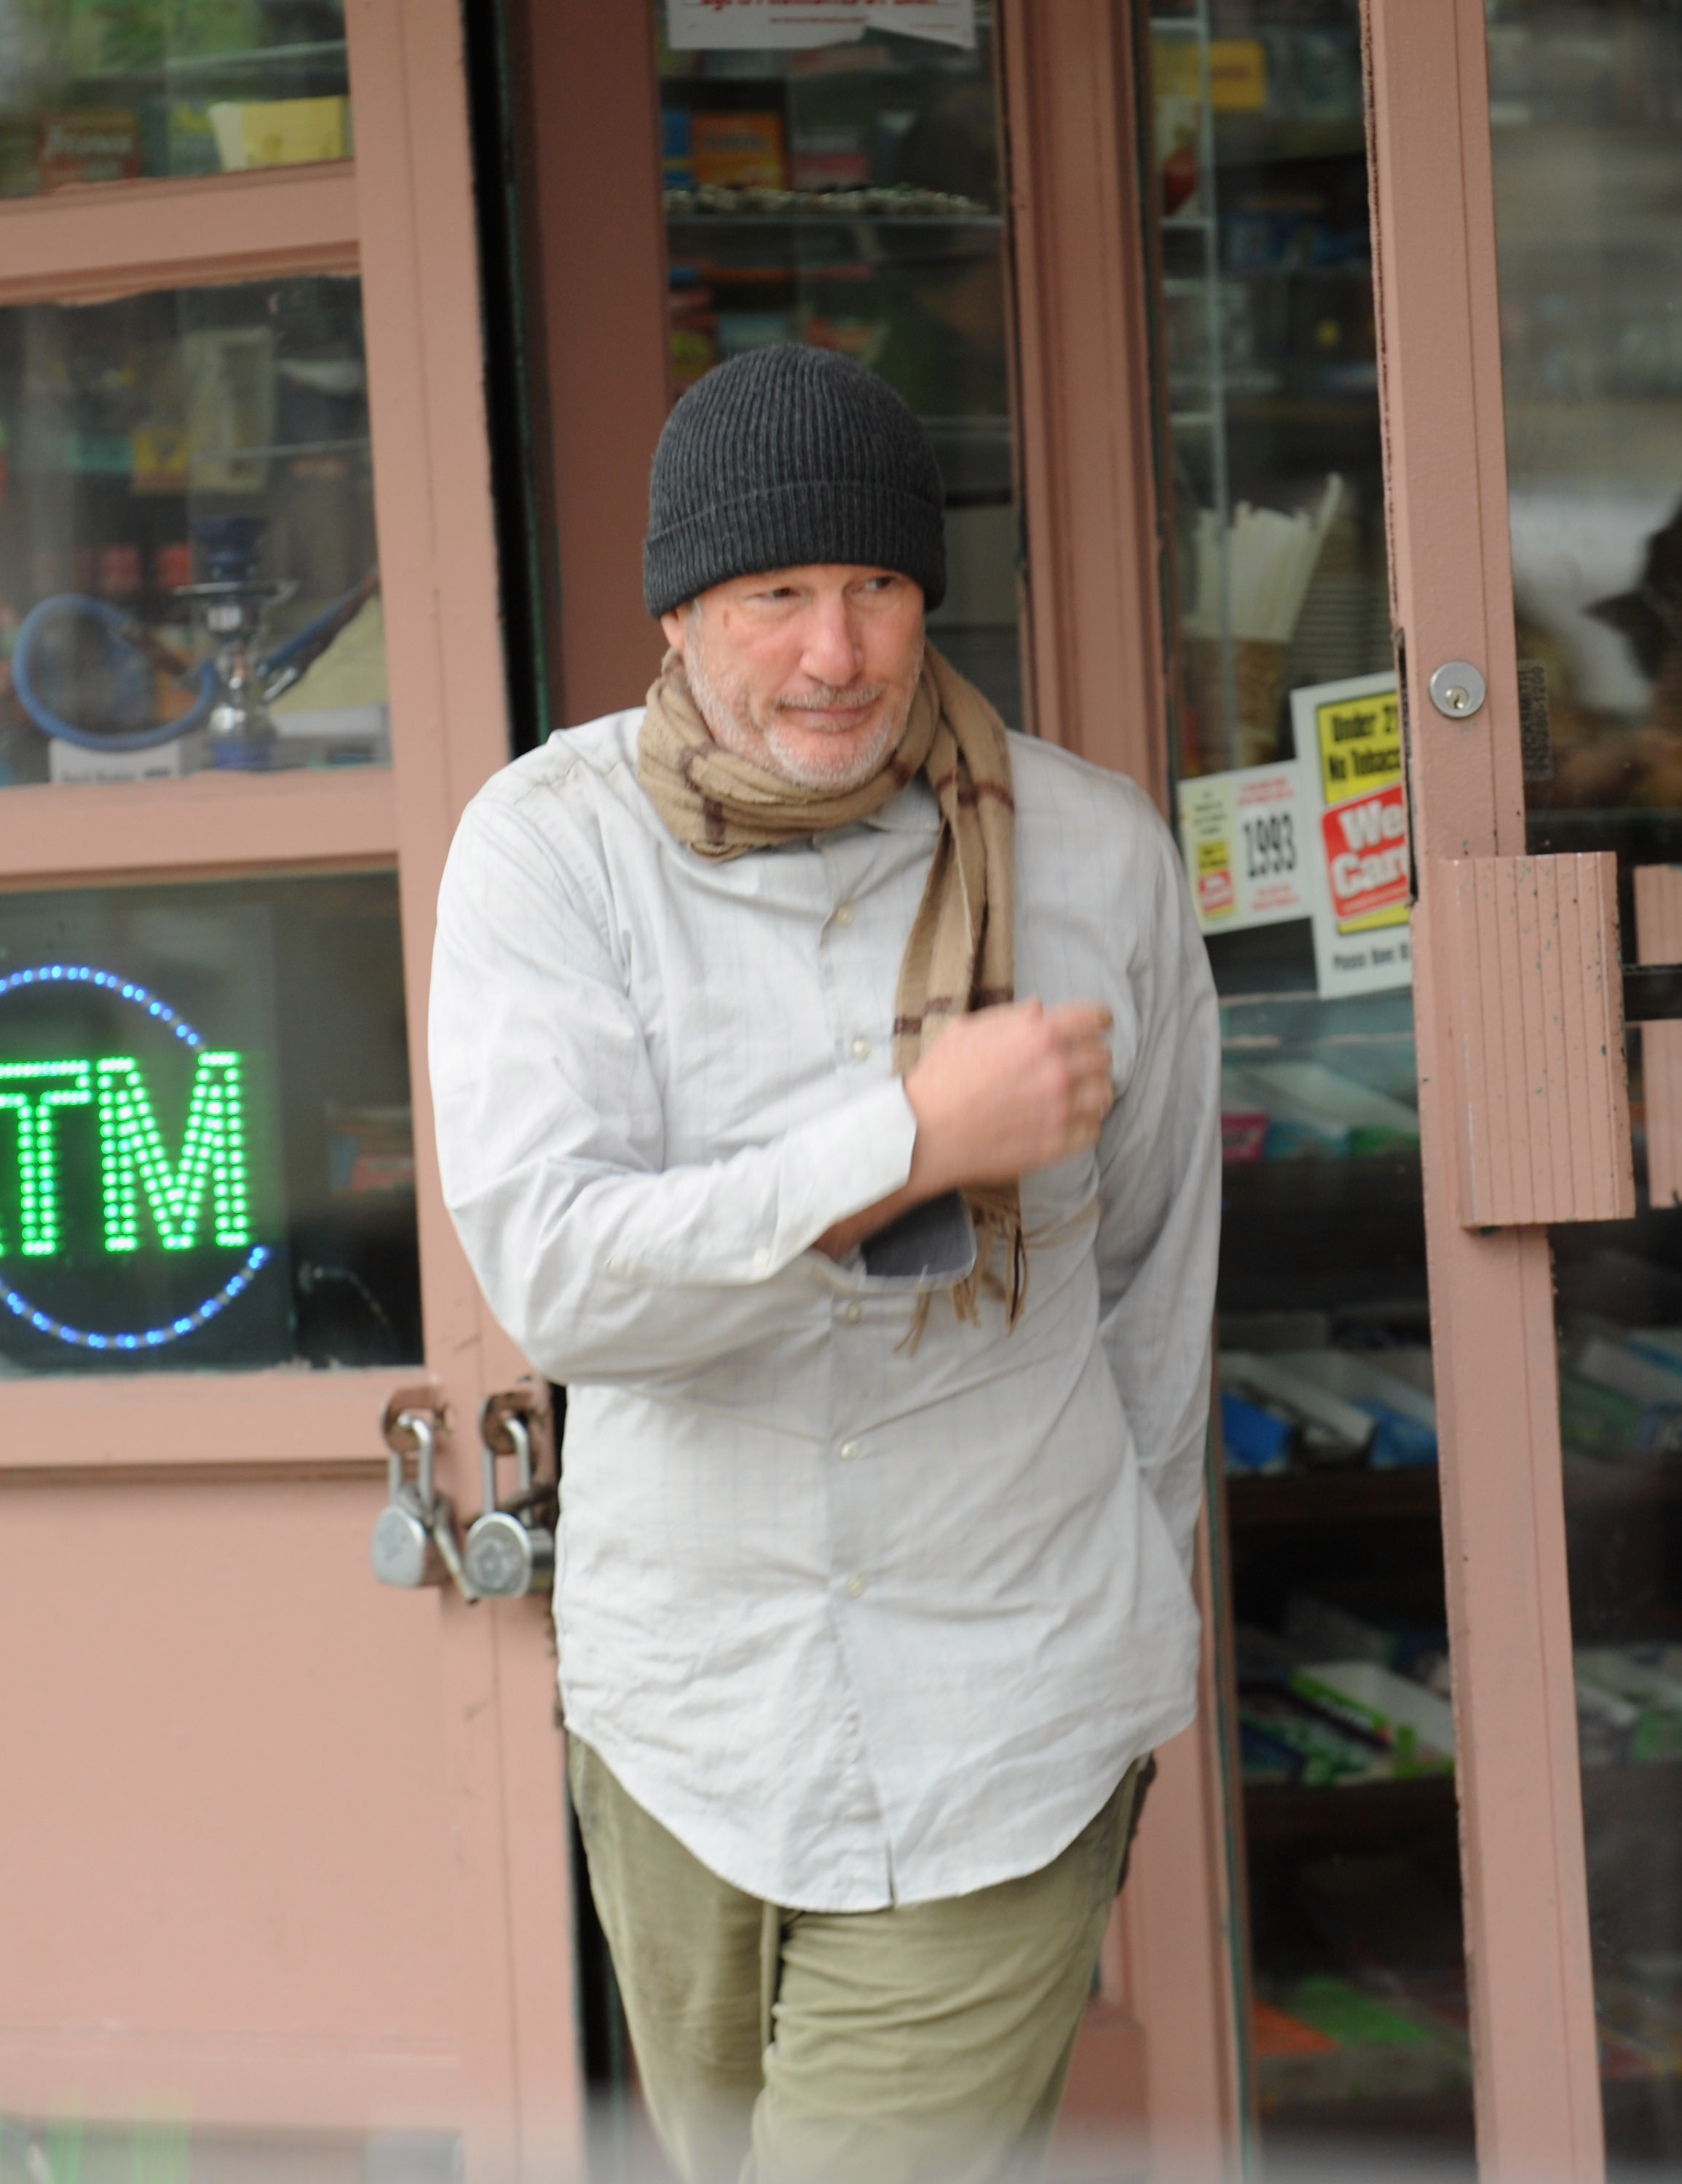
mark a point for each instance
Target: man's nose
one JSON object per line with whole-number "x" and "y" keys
{"x": 831, "y": 653}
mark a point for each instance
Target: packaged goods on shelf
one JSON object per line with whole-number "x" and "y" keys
{"x": 1309, "y": 1108}
{"x": 1254, "y": 1437}
{"x": 1282, "y": 1739}
{"x": 737, "y": 150}
{"x": 1368, "y": 2047}
{"x": 1644, "y": 1683}
{"x": 1620, "y": 1402}
{"x": 1405, "y": 1421}
{"x": 1328, "y": 1430}
{"x": 1415, "y": 1724}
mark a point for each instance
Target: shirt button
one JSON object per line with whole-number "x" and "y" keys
{"x": 761, "y": 1261}
{"x": 848, "y": 1450}
{"x": 855, "y": 1585}
{"x": 860, "y": 1048}
{"x": 843, "y": 913}
{"x": 854, "y": 1313}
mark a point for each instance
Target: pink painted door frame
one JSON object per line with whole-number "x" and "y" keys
{"x": 299, "y": 1851}
{"x": 1527, "y": 1933}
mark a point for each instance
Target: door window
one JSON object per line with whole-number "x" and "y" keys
{"x": 106, "y": 90}
{"x": 1586, "y": 127}
{"x": 188, "y": 570}
{"x": 850, "y": 194}
{"x": 206, "y": 1151}
{"x": 1293, "y": 820}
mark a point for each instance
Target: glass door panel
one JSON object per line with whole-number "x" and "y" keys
{"x": 849, "y": 194}
{"x": 1586, "y": 126}
{"x": 1292, "y": 819}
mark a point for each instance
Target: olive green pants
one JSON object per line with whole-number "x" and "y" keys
{"x": 925, "y": 2042}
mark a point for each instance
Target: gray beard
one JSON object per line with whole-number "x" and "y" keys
{"x": 732, "y": 728}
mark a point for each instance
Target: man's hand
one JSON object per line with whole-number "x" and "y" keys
{"x": 999, "y": 1094}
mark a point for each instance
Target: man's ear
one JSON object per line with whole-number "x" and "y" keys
{"x": 675, "y": 628}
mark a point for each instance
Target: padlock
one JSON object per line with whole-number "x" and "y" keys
{"x": 403, "y": 1550}
{"x": 506, "y": 1554}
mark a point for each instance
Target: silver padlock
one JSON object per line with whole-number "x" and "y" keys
{"x": 403, "y": 1550}
{"x": 506, "y": 1554}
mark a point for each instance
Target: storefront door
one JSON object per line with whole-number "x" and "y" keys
{"x": 1528, "y": 223}
{"x": 285, "y": 1848}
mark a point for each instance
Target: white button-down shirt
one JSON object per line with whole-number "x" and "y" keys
{"x": 859, "y": 1620}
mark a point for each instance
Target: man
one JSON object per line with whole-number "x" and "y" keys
{"x": 826, "y": 1091}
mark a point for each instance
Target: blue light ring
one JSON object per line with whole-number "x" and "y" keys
{"x": 153, "y": 1338}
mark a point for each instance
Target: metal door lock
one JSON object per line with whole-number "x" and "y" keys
{"x": 510, "y": 1548}
{"x": 1457, "y": 689}
{"x": 415, "y": 1543}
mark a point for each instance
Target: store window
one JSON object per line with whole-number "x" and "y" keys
{"x": 206, "y": 1149}
{"x": 845, "y": 189}
{"x": 1293, "y": 819}
{"x": 104, "y": 91}
{"x": 1586, "y": 126}
{"x": 188, "y": 571}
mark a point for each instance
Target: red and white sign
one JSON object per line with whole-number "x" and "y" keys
{"x": 1366, "y": 844}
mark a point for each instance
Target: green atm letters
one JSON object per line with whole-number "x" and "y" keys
{"x": 133, "y": 1164}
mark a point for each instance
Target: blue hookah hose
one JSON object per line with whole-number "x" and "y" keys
{"x": 116, "y": 622}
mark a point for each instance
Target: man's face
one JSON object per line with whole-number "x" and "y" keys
{"x": 807, "y": 672}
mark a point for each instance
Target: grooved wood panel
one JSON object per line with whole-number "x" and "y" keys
{"x": 1658, "y": 939}
{"x": 1542, "y": 1100}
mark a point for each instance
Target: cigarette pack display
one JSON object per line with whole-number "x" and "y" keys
{"x": 1406, "y": 1420}
{"x": 737, "y": 150}
{"x": 1330, "y": 1430}
{"x": 1285, "y": 1740}
{"x": 1415, "y": 1724}
{"x": 1254, "y": 1437}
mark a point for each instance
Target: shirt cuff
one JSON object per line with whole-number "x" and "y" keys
{"x": 846, "y": 1160}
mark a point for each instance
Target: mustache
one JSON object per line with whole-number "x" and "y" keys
{"x": 826, "y": 695}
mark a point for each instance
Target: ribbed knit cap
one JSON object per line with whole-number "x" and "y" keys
{"x": 785, "y": 456}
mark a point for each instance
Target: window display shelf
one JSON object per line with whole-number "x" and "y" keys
{"x": 314, "y": 53}
{"x": 814, "y": 212}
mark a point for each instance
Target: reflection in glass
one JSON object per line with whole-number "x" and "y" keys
{"x": 103, "y": 91}
{"x": 1271, "y": 465}
{"x": 1586, "y": 123}
{"x": 850, "y": 196}
{"x": 188, "y": 570}
{"x": 206, "y": 1149}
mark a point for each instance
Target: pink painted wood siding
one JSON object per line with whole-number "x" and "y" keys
{"x": 1541, "y": 1099}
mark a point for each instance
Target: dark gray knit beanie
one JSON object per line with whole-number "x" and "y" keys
{"x": 785, "y": 456}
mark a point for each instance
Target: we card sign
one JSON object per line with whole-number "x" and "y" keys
{"x": 1349, "y": 740}
{"x": 1323, "y": 835}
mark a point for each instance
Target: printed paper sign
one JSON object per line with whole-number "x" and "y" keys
{"x": 1349, "y": 738}
{"x": 691, "y": 24}
{"x": 1248, "y": 842}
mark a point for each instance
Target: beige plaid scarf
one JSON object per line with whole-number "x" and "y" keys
{"x": 959, "y": 956}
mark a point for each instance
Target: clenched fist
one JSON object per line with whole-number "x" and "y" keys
{"x": 1007, "y": 1091}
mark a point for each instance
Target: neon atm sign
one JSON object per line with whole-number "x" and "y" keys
{"x": 195, "y": 1197}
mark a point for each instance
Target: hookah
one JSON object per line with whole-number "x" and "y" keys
{"x": 236, "y": 684}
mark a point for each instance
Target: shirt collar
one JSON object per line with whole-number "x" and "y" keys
{"x": 912, "y": 811}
